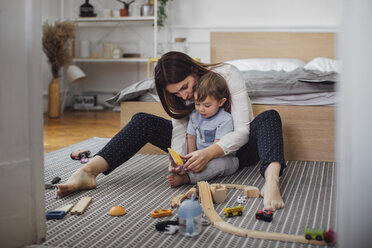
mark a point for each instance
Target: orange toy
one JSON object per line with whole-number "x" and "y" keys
{"x": 117, "y": 211}
{"x": 161, "y": 213}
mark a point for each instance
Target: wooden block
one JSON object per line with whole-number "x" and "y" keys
{"x": 235, "y": 186}
{"x": 65, "y": 208}
{"x": 82, "y": 205}
{"x": 251, "y": 192}
{"x": 192, "y": 191}
{"x": 219, "y": 193}
{"x": 176, "y": 200}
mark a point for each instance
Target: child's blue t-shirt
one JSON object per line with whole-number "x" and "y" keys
{"x": 207, "y": 130}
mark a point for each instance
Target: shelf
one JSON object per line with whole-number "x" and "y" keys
{"x": 115, "y": 19}
{"x": 102, "y": 60}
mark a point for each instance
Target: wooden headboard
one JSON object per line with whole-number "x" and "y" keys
{"x": 308, "y": 131}
{"x": 239, "y": 45}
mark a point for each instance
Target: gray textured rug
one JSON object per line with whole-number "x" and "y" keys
{"x": 140, "y": 186}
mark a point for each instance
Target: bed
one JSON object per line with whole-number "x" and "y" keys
{"x": 308, "y": 131}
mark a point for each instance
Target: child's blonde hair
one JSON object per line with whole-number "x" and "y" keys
{"x": 213, "y": 85}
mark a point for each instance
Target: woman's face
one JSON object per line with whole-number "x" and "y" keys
{"x": 183, "y": 89}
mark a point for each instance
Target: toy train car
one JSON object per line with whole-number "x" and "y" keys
{"x": 234, "y": 211}
{"x": 328, "y": 236}
{"x": 78, "y": 155}
{"x": 264, "y": 215}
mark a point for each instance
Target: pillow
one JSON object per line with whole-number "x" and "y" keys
{"x": 133, "y": 91}
{"x": 323, "y": 65}
{"x": 267, "y": 64}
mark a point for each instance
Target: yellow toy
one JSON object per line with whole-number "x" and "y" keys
{"x": 234, "y": 211}
{"x": 176, "y": 157}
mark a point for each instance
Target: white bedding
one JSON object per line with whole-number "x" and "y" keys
{"x": 298, "y": 87}
{"x": 312, "y": 99}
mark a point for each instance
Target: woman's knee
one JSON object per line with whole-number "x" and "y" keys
{"x": 271, "y": 115}
{"x": 141, "y": 119}
{"x": 139, "y": 116}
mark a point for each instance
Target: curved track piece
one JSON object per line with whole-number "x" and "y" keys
{"x": 208, "y": 208}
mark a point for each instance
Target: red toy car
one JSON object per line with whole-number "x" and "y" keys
{"x": 78, "y": 155}
{"x": 264, "y": 215}
{"x": 330, "y": 236}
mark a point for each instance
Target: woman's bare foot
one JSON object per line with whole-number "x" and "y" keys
{"x": 270, "y": 192}
{"x": 79, "y": 180}
{"x": 176, "y": 180}
{"x": 84, "y": 178}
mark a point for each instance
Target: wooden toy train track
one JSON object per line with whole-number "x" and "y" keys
{"x": 208, "y": 208}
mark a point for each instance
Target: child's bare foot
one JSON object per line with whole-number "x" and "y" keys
{"x": 176, "y": 180}
{"x": 271, "y": 194}
{"x": 176, "y": 170}
{"x": 81, "y": 179}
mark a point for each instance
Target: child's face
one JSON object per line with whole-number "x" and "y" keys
{"x": 209, "y": 107}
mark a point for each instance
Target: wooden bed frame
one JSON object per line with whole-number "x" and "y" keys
{"x": 308, "y": 131}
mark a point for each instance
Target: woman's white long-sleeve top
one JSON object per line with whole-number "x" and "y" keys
{"x": 241, "y": 111}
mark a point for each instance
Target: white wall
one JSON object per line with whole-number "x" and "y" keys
{"x": 22, "y": 208}
{"x": 354, "y": 120}
{"x": 194, "y": 19}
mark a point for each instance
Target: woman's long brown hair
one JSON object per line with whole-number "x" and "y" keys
{"x": 174, "y": 67}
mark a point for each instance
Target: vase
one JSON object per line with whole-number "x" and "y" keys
{"x": 124, "y": 12}
{"x": 53, "y": 99}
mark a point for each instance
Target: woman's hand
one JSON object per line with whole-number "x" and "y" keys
{"x": 197, "y": 160}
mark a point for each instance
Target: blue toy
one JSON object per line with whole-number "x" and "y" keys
{"x": 189, "y": 215}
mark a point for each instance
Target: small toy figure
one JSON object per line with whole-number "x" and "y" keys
{"x": 264, "y": 215}
{"x": 241, "y": 199}
{"x": 234, "y": 211}
{"x": 171, "y": 229}
{"x": 160, "y": 226}
{"x": 78, "y": 155}
{"x": 328, "y": 236}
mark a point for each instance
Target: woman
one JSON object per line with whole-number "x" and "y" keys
{"x": 175, "y": 75}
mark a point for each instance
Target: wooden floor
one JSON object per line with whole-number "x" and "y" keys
{"x": 73, "y": 127}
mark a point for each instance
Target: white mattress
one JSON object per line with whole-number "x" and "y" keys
{"x": 312, "y": 99}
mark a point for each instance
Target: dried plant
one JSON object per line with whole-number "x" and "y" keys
{"x": 55, "y": 41}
